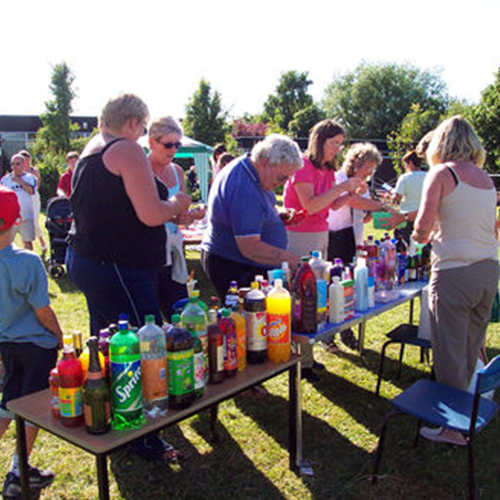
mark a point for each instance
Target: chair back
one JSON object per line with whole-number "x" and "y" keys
{"x": 488, "y": 378}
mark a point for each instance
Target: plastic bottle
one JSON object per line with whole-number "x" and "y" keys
{"x": 287, "y": 276}
{"x": 336, "y": 296}
{"x": 70, "y": 391}
{"x": 337, "y": 269}
{"x": 198, "y": 363}
{"x": 54, "y": 394}
{"x": 255, "y": 321}
{"x": 231, "y": 299}
{"x": 216, "y": 349}
{"x": 241, "y": 336}
{"x": 126, "y": 386}
{"x": 371, "y": 291}
{"x": 104, "y": 336}
{"x": 361, "y": 285}
{"x": 180, "y": 371}
{"x": 228, "y": 329}
{"x": 279, "y": 312}
{"x": 305, "y": 317}
{"x": 319, "y": 268}
{"x": 84, "y": 360}
{"x": 195, "y": 316}
{"x": 96, "y": 397}
{"x": 153, "y": 365}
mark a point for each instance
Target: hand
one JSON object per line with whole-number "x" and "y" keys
{"x": 181, "y": 203}
{"x": 352, "y": 184}
{"x": 197, "y": 213}
{"x": 391, "y": 222}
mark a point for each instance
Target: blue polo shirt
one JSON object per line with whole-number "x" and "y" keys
{"x": 238, "y": 206}
{"x": 23, "y": 288}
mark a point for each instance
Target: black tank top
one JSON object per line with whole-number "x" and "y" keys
{"x": 105, "y": 225}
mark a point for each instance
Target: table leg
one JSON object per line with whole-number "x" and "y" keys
{"x": 411, "y": 311}
{"x": 23, "y": 457}
{"x": 295, "y": 422}
{"x": 361, "y": 336}
{"x": 102, "y": 476}
{"x": 214, "y": 410}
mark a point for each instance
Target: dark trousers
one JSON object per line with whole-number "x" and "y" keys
{"x": 169, "y": 291}
{"x": 222, "y": 271}
{"x": 113, "y": 289}
{"x": 342, "y": 245}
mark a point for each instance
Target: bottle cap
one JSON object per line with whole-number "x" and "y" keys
{"x": 122, "y": 325}
{"x": 225, "y": 313}
{"x": 338, "y": 261}
{"x": 150, "y": 318}
{"x": 176, "y": 318}
{"x": 285, "y": 266}
{"x": 316, "y": 254}
{"x": 305, "y": 258}
{"x": 68, "y": 343}
{"x": 123, "y": 317}
{"x": 255, "y": 285}
{"x": 233, "y": 284}
{"x": 278, "y": 283}
{"x": 195, "y": 294}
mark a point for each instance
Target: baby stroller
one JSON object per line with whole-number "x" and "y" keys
{"x": 58, "y": 223}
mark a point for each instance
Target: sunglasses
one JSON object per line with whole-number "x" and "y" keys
{"x": 170, "y": 145}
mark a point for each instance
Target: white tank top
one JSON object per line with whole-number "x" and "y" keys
{"x": 466, "y": 227}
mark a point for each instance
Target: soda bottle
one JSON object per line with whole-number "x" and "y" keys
{"x": 228, "y": 329}
{"x": 319, "y": 268}
{"x": 305, "y": 317}
{"x": 216, "y": 349}
{"x": 104, "y": 336}
{"x": 126, "y": 386}
{"x": 96, "y": 399}
{"x": 231, "y": 299}
{"x": 198, "y": 362}
{"x": 196, "y": 317}
{"x": 180, "y": 371}
{"x": 287, "y": 276}
{"x": 153, "y": 365}
{"x": 70, "y": 391}
{"x": 241, "y": 337}
{"x": 54, "y": 393}
{"x": 255, "y": 321}
{"x": 279, "y": 311}
{"x": 336, "y": 295}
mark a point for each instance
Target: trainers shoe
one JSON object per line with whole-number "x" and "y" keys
{"x": 11, "y": 487}
{"x": 40, "y": 479}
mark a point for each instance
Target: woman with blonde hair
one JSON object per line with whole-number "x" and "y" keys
{"x": 458, "y": 213}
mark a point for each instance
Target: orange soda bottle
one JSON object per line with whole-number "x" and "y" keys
{"x": 241, "y": 338}
{"x": 279, "y": 311}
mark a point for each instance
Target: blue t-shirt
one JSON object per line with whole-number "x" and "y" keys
{"x": 23, "y": 288}
{"x": 238, "y": 206}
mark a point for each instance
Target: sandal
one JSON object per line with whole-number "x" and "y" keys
{"x": 441, "y": 435}
{"x": 348, "y": 338}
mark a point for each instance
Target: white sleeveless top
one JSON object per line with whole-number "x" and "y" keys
{"x": 466, "y": 227}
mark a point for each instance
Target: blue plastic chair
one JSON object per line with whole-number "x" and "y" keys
{"x": 445, "y": 406}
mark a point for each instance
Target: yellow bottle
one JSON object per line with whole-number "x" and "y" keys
{"x": 279, "y": 309}
{"x": 241, "y": 339}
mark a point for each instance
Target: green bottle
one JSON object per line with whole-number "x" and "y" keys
{"x": 96, "y": 401}
{"x": 126, "y": 386}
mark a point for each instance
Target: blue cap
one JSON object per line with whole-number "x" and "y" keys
{"x": 316, "y": 254}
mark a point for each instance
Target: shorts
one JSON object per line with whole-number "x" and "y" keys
{"x": 26, "y": 370}
{"x": 27, "y": 230}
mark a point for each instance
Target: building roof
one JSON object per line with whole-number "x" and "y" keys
{"x": 31, "y": 123}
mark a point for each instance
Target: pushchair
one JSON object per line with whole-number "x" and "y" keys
{"x": 58, "y": 223}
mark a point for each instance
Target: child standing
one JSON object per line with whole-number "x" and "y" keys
{"x": 29, "y": 334}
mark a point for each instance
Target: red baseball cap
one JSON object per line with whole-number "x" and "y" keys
{"x": 10, "y": 211}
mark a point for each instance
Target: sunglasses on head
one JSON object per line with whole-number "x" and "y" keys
{"x": 170, "y": 145}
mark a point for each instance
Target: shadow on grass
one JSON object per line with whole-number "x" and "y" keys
{"x": 224, "y": 472}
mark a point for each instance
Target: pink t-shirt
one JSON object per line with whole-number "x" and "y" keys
{"x": 322, "y": 180}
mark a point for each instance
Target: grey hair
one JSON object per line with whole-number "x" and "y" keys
{"x": 164, "y": 126}
{"x": 277, "y": 150}
{"x": 357, "y": 155}
{"x": 118, "y": 110}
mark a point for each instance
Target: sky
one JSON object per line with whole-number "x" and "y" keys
{"x": 160, "y": 50}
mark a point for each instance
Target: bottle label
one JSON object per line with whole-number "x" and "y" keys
{"x": 230, "y": 353}
{"x": 322, "y": 295}
{"x": 256, "y": 330}
{"x": 154, "y": 378}
{"x": 180, "y": 372}
{"x": 220, "y": 357}
{"x": 199, "y": 371}
{"x": 278, "y": 329}
{"x": 71, "y": 401}
{"x": 93, "y": 416}
{"x": 126, "y": 386}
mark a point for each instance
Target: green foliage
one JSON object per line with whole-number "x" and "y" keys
{"x": 305, "y": 119}
{"x": 373, "y": 100}
{"x": 290, "y": 98}
{"x": 486, "y": 118}
{"x": 51, "y": 167}
{"x": 205, "y": 119}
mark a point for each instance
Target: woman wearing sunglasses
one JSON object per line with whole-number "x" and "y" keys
{"x": 165, "y": 136}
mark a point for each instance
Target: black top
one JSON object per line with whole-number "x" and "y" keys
{"x": 105, "y": 225}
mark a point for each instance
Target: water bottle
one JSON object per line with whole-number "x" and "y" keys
{"x": 336, "y": 296}
{"x": 153, "y": 365}
{"x": 361, "y": 285}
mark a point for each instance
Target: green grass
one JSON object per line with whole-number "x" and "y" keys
{"x": 341, "y": 417}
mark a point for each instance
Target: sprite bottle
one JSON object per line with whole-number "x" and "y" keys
{"x": 126, "y": 388}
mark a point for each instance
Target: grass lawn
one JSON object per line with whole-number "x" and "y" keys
{"x": 341, "y": 417}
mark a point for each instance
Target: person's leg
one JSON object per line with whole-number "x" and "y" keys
{"x": 169, "y": 291}
{"x": 27, "y": 232}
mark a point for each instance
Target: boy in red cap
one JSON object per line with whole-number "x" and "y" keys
{"x": 29, "y": 334}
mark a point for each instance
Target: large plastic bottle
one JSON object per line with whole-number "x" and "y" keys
{"x": 305, "y": 317}
{"x": 279, "y": 312}
{"x": 180, "y": 365}
{"x": 255, "y": 320}
{"x": 231, "y": 299}
{"x": 320, "y": 270}
{"x": 241, "y": 335}
{"x": 198, "y": 363}
{"x": 336, "y": 296}
{"x": 361, "y": 285}
{"x": 126, "y": 385}
{"x": 194, "y": 316}
{"x": 153, "y": 365}
{"x": 216, "y": 349}
{"x": 228, "y": 329}
{"x": 70, "y": 373}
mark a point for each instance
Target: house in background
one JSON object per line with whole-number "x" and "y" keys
{"x": 19, "y": 132}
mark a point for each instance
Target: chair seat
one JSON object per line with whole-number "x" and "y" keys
{"x": 403, "y": 332}
{"x": 444, "y": 406}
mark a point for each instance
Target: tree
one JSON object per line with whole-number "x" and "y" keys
{"x": 372, "y": 100}
{"x": 486, "y": 118}
{"x": 305, "y": 119}
{"x": 291, "y": 97}
{"x": 205, "y": 119}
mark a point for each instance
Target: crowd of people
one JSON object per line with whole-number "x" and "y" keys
{"x": 126, "y": 251}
